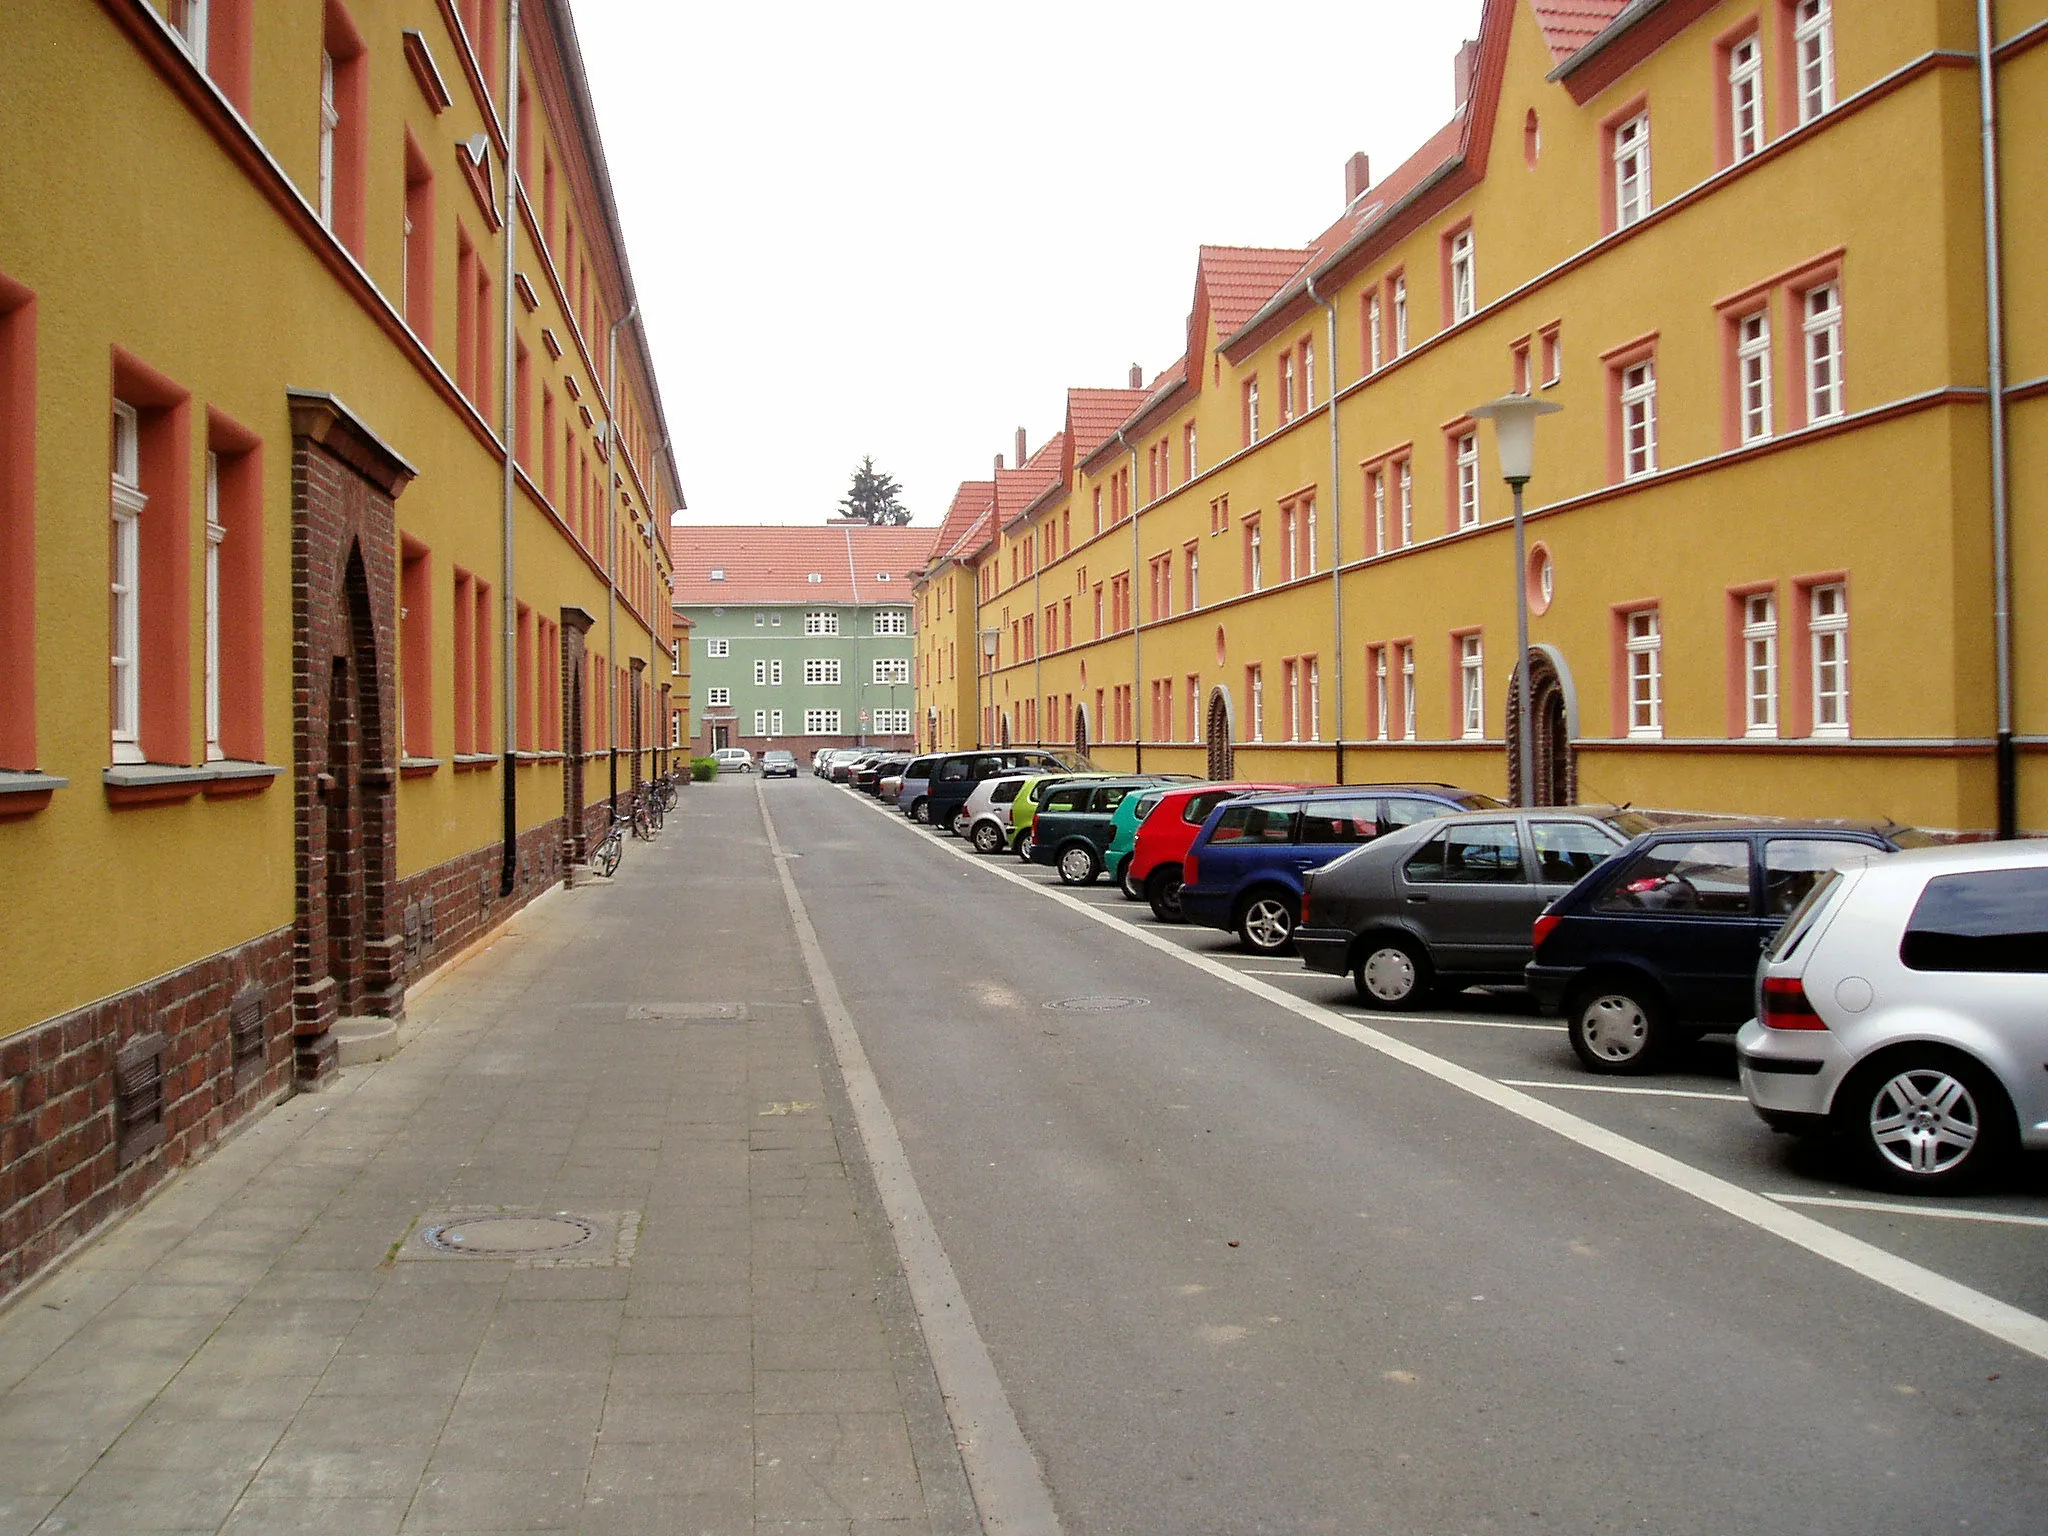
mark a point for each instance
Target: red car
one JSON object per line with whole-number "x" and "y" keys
{"x": 1167, "y": 832}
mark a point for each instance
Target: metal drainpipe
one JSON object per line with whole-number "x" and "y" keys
{"x": 1137, "y": 618}
{"x": 611, "y": 544}
{"x": 1336, "y": 526}
{"x": 508, "y": 868}
{"x": 1038, "y": 646}
{"x": 2001, "y": 492}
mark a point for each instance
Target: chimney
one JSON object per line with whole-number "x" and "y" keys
{"x": 1020, "y": 447}
{"x": 1357, "y": 178}
{"x": 1461, "y": 73}
{"x": 1137, "y": 376}
{"x": 999, "y": 463}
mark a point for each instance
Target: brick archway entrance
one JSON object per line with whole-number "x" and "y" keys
{"x": 1081, "y": 730}
{"x": 348, "y": 951}
{"x": 1554, "y": 766}
{"x": 1217, "y": 736}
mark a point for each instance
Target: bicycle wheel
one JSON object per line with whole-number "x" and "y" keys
{"x": 604, "y": 859}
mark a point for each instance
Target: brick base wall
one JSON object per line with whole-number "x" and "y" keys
{"x": 61, "y": 1168}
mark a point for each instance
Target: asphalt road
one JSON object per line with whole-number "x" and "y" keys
{"x": 1241, "y": 1272}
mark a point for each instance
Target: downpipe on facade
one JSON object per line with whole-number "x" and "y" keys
{"x": 508, "y": 868}
{"x": 611, "y": 544}
{"x": 1336, "y": 528}
{"x": 2006, "y": 765}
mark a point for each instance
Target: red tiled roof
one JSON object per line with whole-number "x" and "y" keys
{"x": 1093, "y": 415}
{"x": 1240, "y": 278}
{"x": 969, "y": 503}
{"x": 1436, "y": 152}
{"x": 1568, "y": 25}
{"x": 774, "y": 565}
{"x": 1016, "y": 489}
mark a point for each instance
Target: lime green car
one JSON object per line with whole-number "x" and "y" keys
{"x": 1024, "y": 808}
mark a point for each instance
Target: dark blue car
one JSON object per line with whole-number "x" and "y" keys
{"x": 1660, "y": 943}
{"x": 1245, "y": 869}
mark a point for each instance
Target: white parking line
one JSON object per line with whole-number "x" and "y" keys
{"x": 1648, "y": 1093}
{"x": 2001, "y": 1320}
{"x": 1427, "y": 1018}
{"x": 1892, "y": 1208}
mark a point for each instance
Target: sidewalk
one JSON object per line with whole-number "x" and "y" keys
{"x": 715, "y": 1342}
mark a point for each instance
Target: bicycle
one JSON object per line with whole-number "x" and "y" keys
{"x": 604, "y": 858}
{"x": 643, "y": 818}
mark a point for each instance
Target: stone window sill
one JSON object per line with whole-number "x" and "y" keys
{"x": 154, "y": 783}
{"x": 418, "y": 767}
{"x": 467, "y": 761}
{"x": 24, "y": 792}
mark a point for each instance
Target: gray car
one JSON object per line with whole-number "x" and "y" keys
{"x": 1449, "y": 902}
{"x": 1904, "y": 1007}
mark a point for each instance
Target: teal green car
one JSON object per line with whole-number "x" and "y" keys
{"x": 1123, "y": 840}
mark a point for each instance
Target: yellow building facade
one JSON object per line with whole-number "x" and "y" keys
{"x": 1741, "y": 245}
{"x": 331, "y": 592}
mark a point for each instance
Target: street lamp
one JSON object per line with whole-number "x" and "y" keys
{"x": 1514, "y": 436}
{"x": 991, "y": 641}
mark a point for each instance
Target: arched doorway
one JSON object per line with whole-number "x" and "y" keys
{"x": 1551, "y": 726}
{"x": 1003, "y": 726}
{"x": 1216, "y": 734}
{"x": 1081, "y": 730}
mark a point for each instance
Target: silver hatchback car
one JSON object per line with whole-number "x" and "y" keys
{"x": 1904, "y": 1006}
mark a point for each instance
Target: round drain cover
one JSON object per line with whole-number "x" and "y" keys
{"x": 1098, "y": 1004}
{"x": 502, "y": 1237}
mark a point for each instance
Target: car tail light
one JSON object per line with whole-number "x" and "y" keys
{"x": 1190, "y": 871}
{"x": 1307, "y": 888}
{"x": 1786, "y": 1005}
{"x": 1544, "y": 925}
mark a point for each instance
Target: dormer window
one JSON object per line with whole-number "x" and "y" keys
{"x": 815, "y": 578}
{"x": 718, "y": 573}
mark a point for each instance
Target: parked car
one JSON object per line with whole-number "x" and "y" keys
{"x": 987, "y": 811}
{"x": 913, "y": 796}
{"x": 778, "y": 763}
{"x": 821, "y": 761}
{"x": 868, "y": 772}
{"x": 733, "y": 760}
{"x": 1244, "y": 870}
{"x": 890, "y": 784}
{"x": 841, "y": 771}
{"x": 954, "y": 775}
{"x": 1161, "y": 841}
{"x": 1024, "y": 809}
{"x": 1661, "y": 945}
{"x": 1449, "y": 903}
{"x": 1076, "y": 819}
{"x": 1904, "y": 1007}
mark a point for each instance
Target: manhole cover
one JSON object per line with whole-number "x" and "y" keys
{"x": 509, "y": 1237}
{"x": 1098, "y": 1004}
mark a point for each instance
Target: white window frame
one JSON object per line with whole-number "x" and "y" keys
{"x": 1464, "y": 281}
{"x": 1258, "y": 528}
{"x": 1408, "y": 690}
{"x": 1472, "y": 686}
{"x": 760, "y": 722}
{"x": 717, "y": 648}
{"x": 1315, "y": 700}
{"x": 1746, "y": 97}
{"x": 760, "y": 672}
{"x": 821, "y": 671}
{"x": 1643, "y": 642}
{"x": 890, "y": 670}
{"x": 1251, "y": 409}
{"x": 1291, "y": 677}
{"x": 1375, "y": 346}
{"x": 216, "y": 533}
{"x": 893, "y": 622}
{"x": 1813, "y": 51}
{"x": 718, "y": 698}
{"x": 1753, "y": 375}
{"x": 126, "y": 502}
{"x": 675, "y": 730}
{"x": 1822, "y": 329}
{"x": 330, "y": 120}
{"x": 1760, "y": 664}
{"x": 1194, "y": 576}
{"x": 775, "y": 673}
{"x": 1308, "y": 514}
{"x": 774, "y": 722}
{"x": 892, "y": 722}
{"x": 821, "y": 722}
{"x": 1257, "y": 689}
{"x": 1308, "y": 374}
{"x": 1286, "y": 383}
{"x": 188, "y": 19}
{"x": 1407, "y": 484}
{"x": 821, "y": 624}
{"x": 1381, "y": 704}
{"x": 1194, "y": 709}
{"x": 1827, "y": 628}
{"x": 1639, "y": 419}
{"x": 1401, "y": 315}
{"x": 1379, "y": 511}
{"x": 1468, "y": 479}
{"x": 1632, "y": 201}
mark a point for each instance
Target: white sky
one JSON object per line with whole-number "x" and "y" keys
{"x": 905, "y": 229}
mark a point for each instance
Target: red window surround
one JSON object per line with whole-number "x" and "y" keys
{"x": 465, "y": 318}
{"x": 416, "y": 646}
{"x": 1445, "y": 286}
{"x": 1724, "y": 108}
{"x": 352, "y": 132}
{"x": 1618, "y": 712}
{"x": 465, "y": 664}
{"x": 17, "y": 526}
{"x": 238, "y": 457}
{"x": 525, "y": 642}
{"x": 1737, "y": 677}
{"x": 419, "y": 243}
{"x": 1617, "y": 361}
{"x": 1610, "y": 213}
{"x": 165, "y": 653}
{"x": 1795, "y": 651}
{"x": 481, "y": 738}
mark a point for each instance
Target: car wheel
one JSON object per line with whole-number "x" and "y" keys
{"x": 1392, "y": 973}
{"x": 1617, "y": 1026}
{"x": 1132, "y": 891}
{"x": 1079, "y": 865}
{"x": 1162, "y": 889}
{"x": 1265, "y": 923}
{"x": 958, "y": 825}
{"x": 920, "y": 811}
{"x": 1024, "y": 846}
{"x": 987, "y": 837}
{"x": 1924, "y": 1119}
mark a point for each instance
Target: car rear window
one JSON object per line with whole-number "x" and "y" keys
{"x": 1568, "y": 851}
{"x": 1257, "y": 824}
{"x": 1109, "y": 798}
{"x": 1068, "y": 797}
{"x": 1486, "y": 852}
{"x": 1792, "y": 866}
{"x": 1197, "y": 810}
{"x": 1987, "y": 920}
{"x": 1005, "y": 791}
{"x": 1407, "y": 810}
{"x": 1340, "y": 821}
{"x": 1709, "y": 877}
{"x": 1802, "y": 917}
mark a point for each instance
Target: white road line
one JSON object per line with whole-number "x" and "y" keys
{"x": 1296, "y": 975}
{"x": 2001, "y": 1320}
{"x": 1892, "y": 1208}
{"x": 1010, "y": 1493}
{"x": 1648, "y": 1093}
{"x": 1430, "y": 1018}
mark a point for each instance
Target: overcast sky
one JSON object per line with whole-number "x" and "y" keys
{"x": 906, "y": 229}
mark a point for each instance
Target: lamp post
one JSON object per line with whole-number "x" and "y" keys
{"x": 991, "y": 640}
{"x": 1514, "y": 437}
